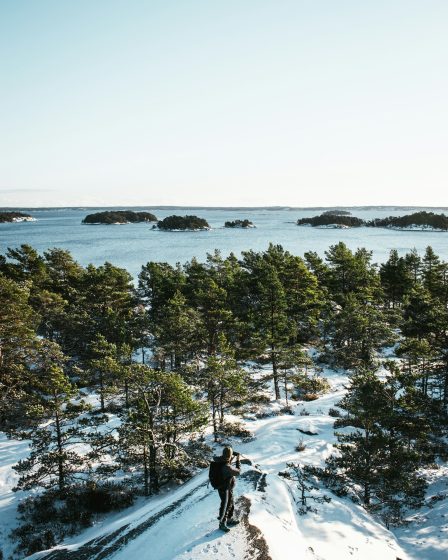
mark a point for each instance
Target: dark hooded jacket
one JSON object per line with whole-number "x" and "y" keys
{"x": 229, "y": 472}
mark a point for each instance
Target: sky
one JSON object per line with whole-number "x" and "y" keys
{"x": 200, "y": 102}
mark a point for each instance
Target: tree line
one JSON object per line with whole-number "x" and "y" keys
{"x": 417, "y": 219}
{"x": 112, "y": 382}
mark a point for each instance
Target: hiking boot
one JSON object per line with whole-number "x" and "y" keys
{"x": 224, "y": 527}
{"x": 232, "y": 522}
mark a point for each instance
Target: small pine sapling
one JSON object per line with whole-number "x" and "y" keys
{"x": 306, "y": 484}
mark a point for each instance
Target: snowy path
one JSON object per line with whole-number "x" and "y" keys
{"x": 182, "y": 525}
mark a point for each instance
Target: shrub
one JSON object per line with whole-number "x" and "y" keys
{"x": 235, "y": 429}
{"x": 300, "y": 446}
{"x": 286, "y": 410}
{"x": 49, "y": 517}
{"x": 310, "y": 397}
{"x": 309, "y": 388}
{"x": 260, "y": 398}
{"x": 334, "y": 412}
{"x": 106, "y": 497}
{"x": 198, "y": 454}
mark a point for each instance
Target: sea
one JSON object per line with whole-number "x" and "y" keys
{"x": 132, "y": 245}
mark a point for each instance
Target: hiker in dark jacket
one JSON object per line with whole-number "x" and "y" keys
{"x": 229, "y": 472}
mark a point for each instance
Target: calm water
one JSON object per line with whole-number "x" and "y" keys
{"x": 132, "y": 245}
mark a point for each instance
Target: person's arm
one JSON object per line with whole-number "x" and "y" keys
{"x": 228, "y": 470}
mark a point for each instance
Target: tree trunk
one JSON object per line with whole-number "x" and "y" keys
{"x": 215, "y": 426}
{"x": 126, "y": 394}
{"x": 146, "y": 471}
{"x": 366, "y": 499}
{"x": 61, "y": 478}
{"x": 221, "y": 407}
{"x": 102, "y": 391}
{"x": 154, "y": 479}
{"x": 275, "y": 374}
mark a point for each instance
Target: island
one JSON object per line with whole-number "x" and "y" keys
{"x": 9, "y": 217}
{"x": 331, "y": 220}
{"x": 239, "y": 224}
{"x": 418, "y": 221}
{"x": 183, "y": 223}
{"x": 336, "y": 213}
{"x": 118, "y": 217}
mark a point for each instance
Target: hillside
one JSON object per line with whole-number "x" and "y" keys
{"x": 181, "y": 523}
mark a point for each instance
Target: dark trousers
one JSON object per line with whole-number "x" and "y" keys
{"x": 226, "y": 508}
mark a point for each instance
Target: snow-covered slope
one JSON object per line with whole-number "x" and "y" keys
{"x": 182, "y": 524}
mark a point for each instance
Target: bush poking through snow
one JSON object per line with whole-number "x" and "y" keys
{"x": 235, "y": 429}
{"x": 287, "y": 410}
{"x": 310, "y": 397}
{"x": 306, "y": 483}
{"x": 198, "y": 454}
{"x": 334, "y": 412}
{"x": 300, "y": 446}
{"x": 260, "y": 398}
{"x": 49, "y": 517}
{"x": 309, "y": 388}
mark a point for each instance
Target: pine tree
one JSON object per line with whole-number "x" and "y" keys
{"x": 434, "y": 274}
{"x": 222, "y": 380}
{"x": 350, "y": 273}
{"x": 17, "y": 342}
{"x": 103, "y": 369}
{"x": 107, "y": 307}
{"x": 53, "y": 461}
{"x": 374, "y": 463}
{"x": 306, "y": 483}
{"x": 293, "y": 363}
{"x": 358, "y": 331}
{"x": 161, "y": 412}
{"x": 395, "y": 279}
{"x": 177, "y": 336}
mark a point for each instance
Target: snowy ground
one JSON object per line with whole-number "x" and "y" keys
{"x": 182, "y": 524}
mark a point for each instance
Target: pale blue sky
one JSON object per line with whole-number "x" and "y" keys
{"x": 256, "y": 102}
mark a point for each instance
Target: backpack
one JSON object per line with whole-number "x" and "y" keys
{"x": 215, "y": 475}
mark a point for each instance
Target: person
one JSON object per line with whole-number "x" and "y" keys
{"x": 229, "y": 472}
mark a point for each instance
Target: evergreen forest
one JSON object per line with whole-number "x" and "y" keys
{"x": 418, "y": 220}
{"x": 119, "y": 217}
{"x": 183, "y": 223}
{"x": 113, "y": 381}
{"x": 6, "y": 217}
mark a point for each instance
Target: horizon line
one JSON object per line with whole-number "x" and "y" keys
{"x": 208, "y": 207}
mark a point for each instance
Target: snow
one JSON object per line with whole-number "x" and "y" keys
{"x": 11, "y": 451}
{"x": 273, "y": 514}
{"x": 181, "y": 524}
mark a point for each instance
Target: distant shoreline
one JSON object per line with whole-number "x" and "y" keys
{"x": 223, "y": 208}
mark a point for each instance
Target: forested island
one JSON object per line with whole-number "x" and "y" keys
{"x": 8, "y": 217}
{"x": 417, "y": 220}
{"x": 332, "y": 219}
{"x": 105, "y": 426}
{"x": 239, "y": 224}
{"x": 183, "y": 223}
{"x": 119, "y": 217}
{"x": 336, "y": 213}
